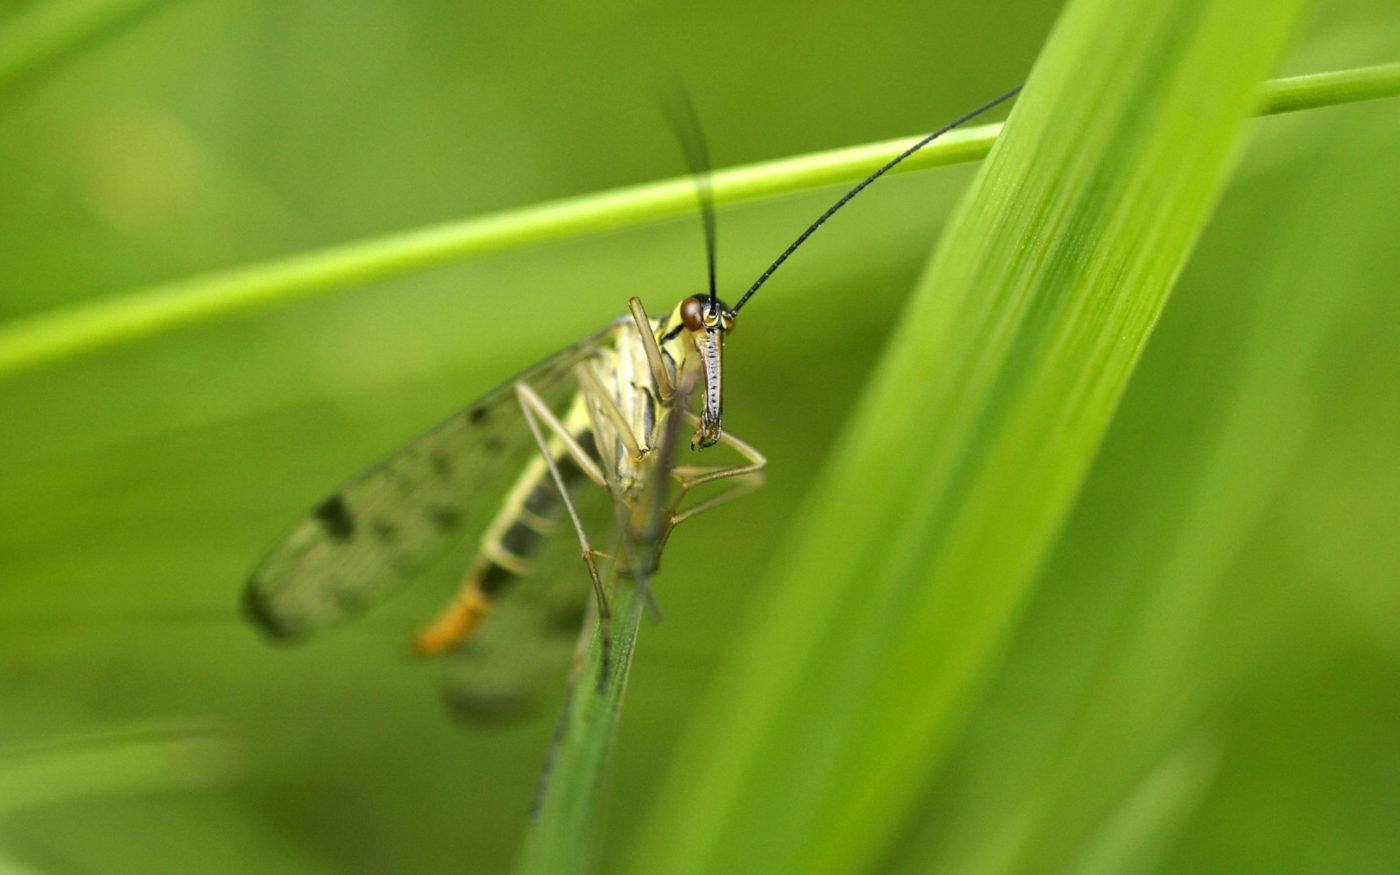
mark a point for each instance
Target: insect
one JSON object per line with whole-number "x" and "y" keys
{"x": 582, "y": 441}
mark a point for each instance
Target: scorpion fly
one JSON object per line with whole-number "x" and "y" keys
{"x": 573, "y": 443}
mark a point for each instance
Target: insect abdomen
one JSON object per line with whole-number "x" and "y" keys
{"x": 526, "y": 521}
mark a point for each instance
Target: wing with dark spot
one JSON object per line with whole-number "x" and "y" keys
{"x": 432, "y": 497}
{"x": 335, "y": 518}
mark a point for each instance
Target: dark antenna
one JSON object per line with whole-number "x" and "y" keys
{"x": 685, "y": 124}
{"x": 811, "y": 229}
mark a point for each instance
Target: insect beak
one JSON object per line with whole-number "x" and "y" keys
{"x": 710, "y": 344}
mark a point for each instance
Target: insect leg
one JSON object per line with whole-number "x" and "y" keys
{"x": 531, "y": 401}
{"x": 691, "y": 476}
{"x": 608, "y": 407}
{"x": 531, "y": 405}
{"x": 660, "y": 375}
{"x": 745, "y": 478}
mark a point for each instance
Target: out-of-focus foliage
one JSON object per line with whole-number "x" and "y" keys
{"x": 1008, "y": 364}
{"x": 1225, "y": 594}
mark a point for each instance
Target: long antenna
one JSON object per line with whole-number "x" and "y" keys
{"x": 811, "y": 229}
{"x": 685, "y": 124}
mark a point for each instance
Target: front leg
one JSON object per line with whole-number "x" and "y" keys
{"x": 744, "y": 478}
{"x": 660, "y": 375}
{"x": 532, "y": 406}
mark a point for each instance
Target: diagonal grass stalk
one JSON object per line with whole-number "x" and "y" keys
{"x": 563, "y": 837}
{"x": 127, "y": 317}
{"x": 44, "y": 33}
{"x": 885, "y": 618}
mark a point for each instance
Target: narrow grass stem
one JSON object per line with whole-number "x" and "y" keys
{"x": 1329, "y": 89}
{"x": 70, "y": 331}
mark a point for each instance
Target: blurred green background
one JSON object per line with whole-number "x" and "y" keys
{"x": 1218, "y": 634}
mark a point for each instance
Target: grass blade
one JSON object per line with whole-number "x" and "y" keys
{"x": 46, "y": 31}
{"x": 970, "y": 446}
{"x": 115, "y": 761}
{"x": 562, "y": 838}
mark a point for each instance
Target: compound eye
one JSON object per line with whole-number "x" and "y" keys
{"x": 693, "y": 314}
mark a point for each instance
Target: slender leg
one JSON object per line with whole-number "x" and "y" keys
{"x": 531, "y": 404}
{"x": 530, "y": 400}
{"x": 661, "y": 377}
{"x": 743, "y": 483}
{"x": 745, "y": 478}
{"x": 691, "y": 476}
{"x": 589, "y": 380}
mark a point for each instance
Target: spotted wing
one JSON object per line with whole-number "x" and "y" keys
{"x": 408, "y": 511}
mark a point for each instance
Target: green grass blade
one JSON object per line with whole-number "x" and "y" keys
{"x": 48, "y": 30}
{"x": 895, "y": 592}
{"x": 115, "y": 761}
{"x": 562, "y": 839}
{"x": 127, "y": 317}
{"x": 1134, "y": 836}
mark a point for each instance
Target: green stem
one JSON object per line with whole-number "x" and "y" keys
{"x": 561, "y": 838}
{"x": 45, "y": 337}
{"x": 1329, "y": 89}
